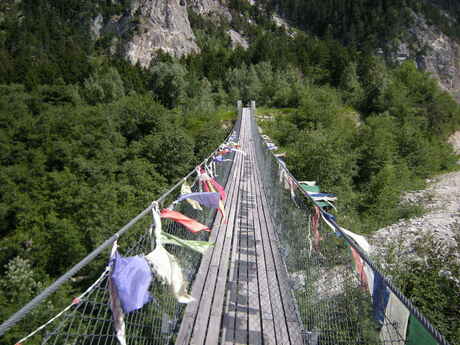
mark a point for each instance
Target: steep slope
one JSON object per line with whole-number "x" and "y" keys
{"x": 153, "y": 25}
{"x": 433, "y": 51}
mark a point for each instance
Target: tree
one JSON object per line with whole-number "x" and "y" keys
{"x": 105, "y": 86}
{"x": 169, "y": 83}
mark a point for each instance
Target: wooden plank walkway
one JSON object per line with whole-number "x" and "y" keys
{"x": 241, "y": 290}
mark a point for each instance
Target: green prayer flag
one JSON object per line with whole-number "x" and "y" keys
{"x": 198, "y": 246}
{"x": 417, "y": 334}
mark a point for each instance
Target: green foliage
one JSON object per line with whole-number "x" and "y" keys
{"x": 168, "y": 82}
{"x": 19, "y": 285}
{"x": 430, "y": 277}
{"x": 367, "y": 24}
{"x": 103, "y": 87}
{"x": 369, "y": 159}
{"x": 72, "y": 173}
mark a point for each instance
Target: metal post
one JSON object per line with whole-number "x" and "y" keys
{"x": 239, "y": 105}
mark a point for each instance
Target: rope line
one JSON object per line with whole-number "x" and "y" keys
{"x": 75, "y": 301}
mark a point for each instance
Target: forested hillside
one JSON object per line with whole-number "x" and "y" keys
{"x": 87, "y": 140}
{"x": 368, "y": 24}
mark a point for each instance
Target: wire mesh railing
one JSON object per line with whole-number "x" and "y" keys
{"x": 342, "y": 297}
{"x": 88, "y": 319}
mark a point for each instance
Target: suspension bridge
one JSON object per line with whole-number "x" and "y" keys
{"x": 280, "y": 270}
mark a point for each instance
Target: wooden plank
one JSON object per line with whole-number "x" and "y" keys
{"x": 243, "y": 293}
{"x": 254, "y": 324}
{"x": 218, "y": 301}
{"x": 280, "y": 325}
{"x": 268, "y": 328}
{"x": 241, "y": 315}
{"x": 290, "y": 306}
{"x": 229, "y": 317}
{"x": 204, "y": 309}
{"x": 288, "y": 301}
{"x": 185, "y": 331}
{"x": 295, "y": 333}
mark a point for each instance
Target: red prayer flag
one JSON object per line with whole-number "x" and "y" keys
{"x": 189, "y": 223}
{"x": 359, "y": 267}
{"x": 314, "y": 228}
{"x": 219, "y": 188}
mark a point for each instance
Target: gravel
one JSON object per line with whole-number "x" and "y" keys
{"x": 439, "y": 227}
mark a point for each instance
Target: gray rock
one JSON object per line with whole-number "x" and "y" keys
{"x": 433, "y": 51}
{"x": 150, "y": 26}
{"x": 237, "y": 39}
{"x": 439, "y": 228}
{"x": 96, "y": 27}
{"x": 214, "y": 8}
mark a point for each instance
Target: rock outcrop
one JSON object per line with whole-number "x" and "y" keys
{"x": 153, "y": 25}
{"x": 162, "y": 25}
{"x": 237, "y": 39}
{"x": 434, "y": 52}
{"x": 211, "y": 8}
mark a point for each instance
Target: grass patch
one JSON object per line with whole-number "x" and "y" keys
{"x": 275, "y": 112}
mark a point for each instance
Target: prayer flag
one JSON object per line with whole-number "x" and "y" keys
{"x": 219, "y": 188}
{"x": 132, "y": 277}
{"x": 223, "y": 152}
{"x": 208, "y": 199}
{"x": 189, "y": 223}
{"x": 281, "y": 172}
{"x": 210, "y": 185}
{"x": 329, "y": 219}
{"x": 321, "y": 195}
{"x": 198, "y": 246}
{"x": 232, "y": 149}
{"x": 370, "y": 278}
{"x": 286, "y": 181}
{"x": 167, "y": 268}
{"x": 314, "y": 227}
{"x": 360, "y": 240}
{"x": 359, "y": 268}
{"x": 115, "y": 306}
{"x": 395, "y": 325}
{"x": 220, "y": 158}
{"x": 185, "y": 189}
{"x": 380, "y": 296}
{"x": 417, "y": 334}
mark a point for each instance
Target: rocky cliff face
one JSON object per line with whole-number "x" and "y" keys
{"x": 433, "y": 52}
{"x": 211, "y": 7}
{"x": 153, "y": 25}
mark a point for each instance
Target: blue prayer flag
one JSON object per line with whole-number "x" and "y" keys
{"x": 380, "y": 296}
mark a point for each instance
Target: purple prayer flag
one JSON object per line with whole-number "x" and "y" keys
{"x": 131, "y": 277}
{"x": 219, "y": 158}
{"x": 321, "y": 195}
{"x": 207, "y": 199}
